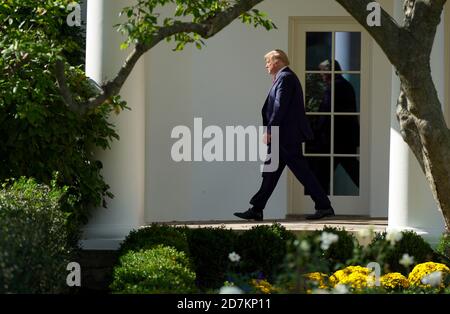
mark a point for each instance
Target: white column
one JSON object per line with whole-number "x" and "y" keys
{"x": 344, "y": 53}
{"x": 411, "y": 204}
{"x": 124, "y": 164}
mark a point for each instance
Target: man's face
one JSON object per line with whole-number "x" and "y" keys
{"x": 326, "y": 77}
{"x": 272, "y": 66}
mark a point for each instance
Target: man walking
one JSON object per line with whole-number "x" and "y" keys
{"x": 284, "y": 108}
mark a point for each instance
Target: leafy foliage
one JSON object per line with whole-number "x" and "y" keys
{"x": 151, "y": 236}
{"x": 308, "y": 258}
{"x": 39, "y": 133}
{"x": 262, "y": 249}
{"x": 389, "y": 255}
{"x": 340, "y": 252}
{"x": 282, "y": 232}
{"x": 209, "y": 248}
{"x": 34, "y": 238}
{"x": 158, "y": 270}
{"x": 143, "y": 20}
{"x": 443, "y": 246}
{"x": 208, "y": 251}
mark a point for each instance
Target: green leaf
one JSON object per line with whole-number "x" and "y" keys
{"x": 180, "y": 46}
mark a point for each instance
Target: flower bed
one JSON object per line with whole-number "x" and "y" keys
{"x": 269, "y": 259}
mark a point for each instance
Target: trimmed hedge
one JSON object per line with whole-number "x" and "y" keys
{"x": 263, "y": 249}
{"x": 34, "y": 237}
{"x": 206, "y": 249}
{"x": 209, "y": 248}
{"x": 153, "y": 235}
{"x": 159, "y": 270}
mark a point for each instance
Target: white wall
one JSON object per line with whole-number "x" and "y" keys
{"x": 226, "y": 84}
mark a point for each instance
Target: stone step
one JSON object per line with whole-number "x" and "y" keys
{"x": 295, "y": 224}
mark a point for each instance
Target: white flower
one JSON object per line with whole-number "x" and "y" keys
{"x": 327, "y": 239}
{"x": 230, "y": 290}
{"x": 340, "y": 289}
{"x": 304, "y": 246}
{"x": 365, "y": 233}
{"x": 406, "y": 260}
{"x": 433, "y": 279}
{"x": 365, "y": 236}
{"x": 394, "y": 236}
{"x": 234, "y": 257}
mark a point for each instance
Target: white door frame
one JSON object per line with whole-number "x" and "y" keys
{"x": 298, "y": 204}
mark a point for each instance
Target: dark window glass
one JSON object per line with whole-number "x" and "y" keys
{"x": 318, "y": 49}
{"x": 346, "y": 176}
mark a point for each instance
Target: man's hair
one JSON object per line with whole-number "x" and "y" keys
{"x": 277, "y": 54}
{"x": 327, "y": 65}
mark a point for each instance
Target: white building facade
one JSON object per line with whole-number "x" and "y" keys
{"x": 225, "y": 84}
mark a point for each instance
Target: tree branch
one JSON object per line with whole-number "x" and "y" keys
{"x": 62, "y": 85}
{"x": 113, "y": 87}
{"x": 206, "y": 29}
{"x": 422, "y": 18}
{"x": 389, "y": 36}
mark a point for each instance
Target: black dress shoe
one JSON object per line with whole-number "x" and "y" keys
{"x": 319, "y": 214}
{"x": 251, "y": 213}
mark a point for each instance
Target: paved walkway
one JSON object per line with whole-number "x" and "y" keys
{"x": 296, "y": 224}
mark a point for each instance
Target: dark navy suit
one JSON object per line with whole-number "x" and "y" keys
{"x": 284, "y": 108}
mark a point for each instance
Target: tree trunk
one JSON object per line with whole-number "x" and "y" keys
{"x": 419, "y": 111}
{"x": 424, "y": 129}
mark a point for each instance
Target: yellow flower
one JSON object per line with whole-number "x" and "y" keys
{"x": 356, "y": 280}
{"x": 342, "y": 276}
{"x": 263, "y": 286}
{"x": 422, "y": 270}
{"x": 319, "y": 278}
{"x": 394, "y": 281}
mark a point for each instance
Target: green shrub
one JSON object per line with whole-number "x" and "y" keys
{"x": 389, "y": 256}
{"x": 282, "y": 232}
{"x": 262, "y": 249}
{"x": 34, "y": 250}
{"x": 443, "y": 246}
{"x": 339, "y": 253}
{"x": 158, "y": 270}
{"x": 155, "y": 234}
{"x": 209, "y": 248}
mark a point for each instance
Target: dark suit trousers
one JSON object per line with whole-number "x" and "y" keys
{"x": 292, "y": 156}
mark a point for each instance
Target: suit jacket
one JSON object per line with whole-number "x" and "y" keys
{"x": 284, "y": 107}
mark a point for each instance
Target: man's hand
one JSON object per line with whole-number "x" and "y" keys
{"x": 266, "y": 138}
